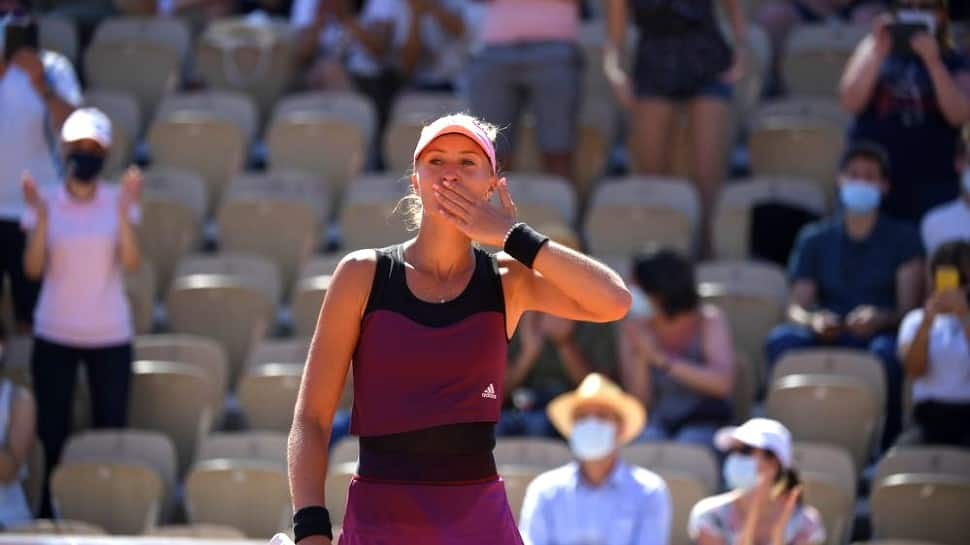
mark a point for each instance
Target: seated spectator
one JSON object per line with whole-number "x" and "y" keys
{"x": 682, "y": 59}
{"x": 82, "y": 238}
{"x": 934, "y": 347}
{"x": 434, "y": 53}
{"x": 676, "y": 353}
{"x": 38, "y": 89}
{"x": 911, "y": 98}
{"x": 780, "y": 17}
{"x": 854, "y": 276}
{"x": 951, "y": 221}
{"x": 17, "y": 428}
{"x": 530, "y": 55}
{"x": 764, "y": 503}
{"x": 598, "y": 498}
{"x": 548, "y": 356}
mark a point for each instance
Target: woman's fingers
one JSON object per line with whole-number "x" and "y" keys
{"x": 505, "y": 197}
{"x": 453, "y": 205}
{"x": 461, "y": 191}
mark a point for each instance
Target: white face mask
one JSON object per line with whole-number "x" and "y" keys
{"x": 592, "y": 438}
{"x": 740, "y": 471}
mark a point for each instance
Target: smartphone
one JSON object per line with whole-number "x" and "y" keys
{"x": 902, "y": 33}
{"x": 947, "y": 277}
{"x": 17, "y": 34}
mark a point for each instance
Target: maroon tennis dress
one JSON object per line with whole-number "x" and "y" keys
{"x": 427, "y": 393}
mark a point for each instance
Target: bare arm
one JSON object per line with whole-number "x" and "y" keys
{"x": 716, "y": 377}
{"x": 915, "y": 354}
{"x": 952, "y": 92}
{"x": 23, "y": 423}
{"x": 615, "y": 47}
{"x": 801, "y": 301}
{"x": 573, "y": 359}
{"x": 739, "y": 23}
{"x": 909, "y": 290}
{"x": 862, "y": 71}
{"x": 634, "y": 372}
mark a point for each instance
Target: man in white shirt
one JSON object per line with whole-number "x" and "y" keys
{"x": 598, "y": 498}
{"x": 38, "y": 90}
{"x": 951, "y": 221}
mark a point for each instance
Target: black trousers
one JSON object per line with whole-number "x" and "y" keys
{"x": 943, "y": 423}
{"x": 12, "y": 243}
{"x": 54, "y": 372}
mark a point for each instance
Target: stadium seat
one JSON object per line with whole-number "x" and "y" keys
{"x": 345, "y": 451}
{"x": 144, "y": 69}
{"x": 250, "y": 445}
{"x": 934, "y": 508}
{"x": 836, "y": 410}
{"x": 249, "y": 270}
{"x": 816, "y": 56}
{"x": 56, "y": 527}
{"x": 198, "y": 532}
{"x": 533, "y": 452}
{"x": 206, "y": 354}
{"x": 627, "y": 213}
{"x": 829, "y": 109}
{"x": 268, "y": 394}
{"x": 307, "y": 299}
{"x": 123, "y": 499}
{"x": 367, "y": 217}
{"x": 58, "y": 34}
{"x": 140, "y": 288}
{"x": 516, "y": 480}
{"x": 125, "y": 115}
{"x": 686, "y": 490}
{"x": 162, "y": 31}
{"x": 409, "y": 114}
{"x": 669, "y": 456}
{"x": 338, "y": 483}
{"x": 543, "y": 198}
{"x": 290, "y": 185}
{"x": 834, "y": 462}
{"x": 745, "y": 387}
{"x": 860, "y": 364}
{"x": 175, "y": 399}
{"x": 894, "y": 542}
{"x": 232, "y": 106}
{"x": 928, "y": 459}
{"x": 251, "y": 496}
{"x": 732, "y": 217}
{"x": 34, "y": 483}
{"x": 191, "y": 140}
{"x": 293, "y": 351}
{"x": 835, "y": 504}
{"x": 753, "y": 297}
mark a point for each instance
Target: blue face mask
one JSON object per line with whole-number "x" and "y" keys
{"x": 592, "y": 438}
{"x": 740, "y": 471}
{"x": 859, "y": 197}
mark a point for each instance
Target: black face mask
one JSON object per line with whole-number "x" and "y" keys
{"x": 84, "y": 166}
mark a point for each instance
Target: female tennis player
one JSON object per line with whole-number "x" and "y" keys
{"x": 426, "y": 323}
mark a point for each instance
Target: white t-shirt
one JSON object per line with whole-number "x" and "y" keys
{"x": 25, "y": 140}
{"x": 945, "y": 223}
{"x": 336, "y": 41}
{"x": 82, "y": 299}
{"x": 444, "y": 54}
{"x": 947, "y": 377}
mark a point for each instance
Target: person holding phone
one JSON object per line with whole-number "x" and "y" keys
{"x": 909, "y": 89}
{"x": 934, "y": 344}
{"x": 38, "y": 90}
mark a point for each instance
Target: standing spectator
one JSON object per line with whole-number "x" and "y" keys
{"x": 764, "y": 503}
{"x": 854, "y": 276}
{"x": 81, "y": 239}
{"x": 530, "y": 55}
{"x": 38, "y": 90}
{"x": 934, "y": 347}
{"x": 548, "y": 356}
{"x": 434, "y": 49}
{"x": 951, "y": 221}
{"x": 913, "y": 104}
{"x": 17, "y": 428}
{"x": 681, "y": 59}
{"x": 676, "y": 354}
{"x": 599, "y": 498}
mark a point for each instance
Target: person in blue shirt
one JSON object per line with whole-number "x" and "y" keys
{"x": 598, "y": 498}
{"x": 854, "y": 276}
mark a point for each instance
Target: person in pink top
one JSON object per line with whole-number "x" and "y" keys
{"x": 81, "y": 239}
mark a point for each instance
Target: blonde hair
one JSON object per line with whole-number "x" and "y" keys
{"x": 410, "y": 207}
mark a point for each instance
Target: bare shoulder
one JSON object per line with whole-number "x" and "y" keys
{"x": 353, "y": 276}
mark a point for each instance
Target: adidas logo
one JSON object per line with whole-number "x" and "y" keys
{"x": 489, "y": 392}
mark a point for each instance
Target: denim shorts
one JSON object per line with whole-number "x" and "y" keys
{"x": 543, "y": 77}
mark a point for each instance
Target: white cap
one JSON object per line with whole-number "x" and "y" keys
{"x": 762, "y": 433}
{"x": 87, "y": 124}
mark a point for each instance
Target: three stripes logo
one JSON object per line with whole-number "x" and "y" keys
{"x": 489, "y": 392}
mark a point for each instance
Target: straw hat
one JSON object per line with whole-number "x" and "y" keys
{"x": 599, "y": 390}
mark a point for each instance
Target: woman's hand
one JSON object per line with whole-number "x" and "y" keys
{"x": 475, "y": 216}
{"x": 739, "y": 65}
{"x": 951, "y": 301}
{"x": 926, "y": 46}
{"x": 622, "y": 88}
{"x": 130, "y": 195}
{"x": 882, "y": 38}
{"x": 642, "y": 341}
{"x": 32, "y": 195}
{"x": 791, "y": 502}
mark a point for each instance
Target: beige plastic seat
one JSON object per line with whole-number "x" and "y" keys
{"x": 322, "y": 264}
{"x": 268, "y": 395}
{"x": 123, "y": 499}
{"x": 232, "y": 106}
{"x": 409, "y": 114}
{"x": 816, "y": 56}
{"x": 894, "y": 542}
{"x": 34, "y": 483}
{"x": 835, "y": 463}
{"x": 367, "y": 217}
{"x": 345, "y": 451}
{"x": 308, "y": 297}
{"x": 932, "y": 460}
{"x": 934, "y": 508}
{"x": 205, "y": 354}
{"x": 685, "y": 491}
{"x": 338, "y": 482}
{"x": 144, "y": 69}
{"x": 58, "y": 34}
{"x": 58, "y": 527}
{"x": 543, "y": 199}
{"x": 799, "y": 146}
{"x": 830, "y": 409}
{"x": 249, "y": 270}
{"x": 347, "y": 105}
{"x": 669, "y": 456}
{"x": 625, "y": 214}
{"x": 251, "y": 496}
{"x": 807, "y": 106}
{"x": 125, "y": 115}
{"x": 745, "y": 387}
{"x": 291, "y": 351}
{"x": 753, "y": 297}
{"x": 132, "y": 447}
{"x": 834, "y": 503}
{"x": 163, "y": 31}
{"x": 835, "y": 361}
{"x": 288, "y": 185}
{"x": 198, "y": 531}
{"x": 732, "y": 218}
{"x": 190, "y": 140}
{"x": 531, "y": 451}
{"x": 175, "y": 399}
{"x": 516, "y": 480}
{"x": 264, "y": 446}
{"x": 140, "y": 287}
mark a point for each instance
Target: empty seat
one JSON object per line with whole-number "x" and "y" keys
{"x": 289, "y": 185}
{"x": 685, "y": 491}
{"x": 229, "y": 105}
{"x": 251, "y": 445}
{"x": 308, "y": 297}
{"x": 58, "y": 34}
{"x": 531, "y": 451}
{"x": 801, "y": 106}
{"x": 251, "y": 496}
{"x": 249, "y": 270}
{"x": 173, "y": 211}
{"x": 163, "y": 31}
{"x": 626, "y": 214}
{"x": 197, "y": 531}
{"x": 338, "y": 483}
{"x": 834, "y": 462}
{"x": 292, "y": 351}
{"x": 125, "y": 114}
{"x": 834, "y": 503}
{"x": 205, "y": 354}
{"x": 543, "y": 199}
{"x": 927, "y": 459}
{"x": 347, "y": 450}
{"x": 934, "y": 508}
{"x": 55, "y": 527}
{"x": 140, "y": 287}
{"x": 516, "y": 480}
{"x": 835, "y": 361}
{"x": 268, "y": 395}
{"x": 745, "y": 387}
{"x": 830, "y": 409}
{"x": 410, "y": 113}
{"x": 668, "y": 456}
{"x": 367, "y": 217}
{"x": 816, "y": 55}
{"x": 144, "y": 69}
{"x": 122, "y": 499}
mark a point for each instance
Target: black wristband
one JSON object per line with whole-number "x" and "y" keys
{"x": 312, "y": 521}
{"x": 523, "y": 243}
